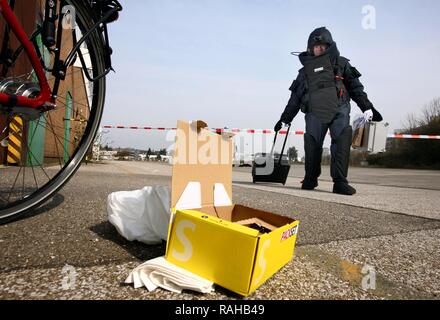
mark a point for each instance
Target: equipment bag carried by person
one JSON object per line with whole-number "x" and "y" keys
{"x": 271, "y": 167}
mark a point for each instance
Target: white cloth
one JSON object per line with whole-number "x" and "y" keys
{"x": 141, "y": 215}
{"x": 368, "y": 115}
{"x": 159, "y": 272}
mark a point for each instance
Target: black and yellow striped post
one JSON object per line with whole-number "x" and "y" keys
{"x": 15, "y": 145}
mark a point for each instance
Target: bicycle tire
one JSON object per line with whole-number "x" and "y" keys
{"x": 17, "y": 209}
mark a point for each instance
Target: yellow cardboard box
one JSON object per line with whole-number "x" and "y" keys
{"x": 234, "y": 246}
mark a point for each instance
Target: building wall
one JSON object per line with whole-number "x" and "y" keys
{"x": 63, "y": 132}
{"x": 26, "y": 13}
{"x": 66, "y": 125}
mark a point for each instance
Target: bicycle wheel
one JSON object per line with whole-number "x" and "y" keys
{"x": 41, "y": 152}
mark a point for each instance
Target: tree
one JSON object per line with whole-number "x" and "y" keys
{"x": 415, "y": 153}
{"x": 292, "y": 154}
{"x": 123, "y": 153}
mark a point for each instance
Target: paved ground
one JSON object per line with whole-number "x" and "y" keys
{"x": 391, "y": 225}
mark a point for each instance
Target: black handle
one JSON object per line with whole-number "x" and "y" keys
{"x": 284, "y": 145}
{"x": 50, "y": 17}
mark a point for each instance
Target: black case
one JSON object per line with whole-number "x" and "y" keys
{"x": 281, "y": 165}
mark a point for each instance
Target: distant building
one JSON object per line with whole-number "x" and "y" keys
{"x": 166, "y": 158}
{"x": 129, "y": 158}
{"x": 107, "y": 155}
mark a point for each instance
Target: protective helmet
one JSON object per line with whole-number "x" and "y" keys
{"x": 319, "y": 35}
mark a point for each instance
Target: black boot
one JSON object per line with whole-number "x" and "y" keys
{"x": 343, "y": 188}
{"x": 313, "y": 155}
{"x": 309, "y": 184}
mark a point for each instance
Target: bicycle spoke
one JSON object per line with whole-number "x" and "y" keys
{"x": 54, "y": 126}
{"x": 81, "y": 104}
{"x": 39, "y": 164}
{"x": 56, "y": 144}
{"x": 15, "y": 181}
{"x": 33, "y": 173}
{"x": 79, "y": 101}
{"x": 24, "y": 175}
{"x": 89, "y": 96}
{"x": 25, "y": 76}
{"x": 53, "y": 132}
{"x": 59, "y": 141}
{"x": 31, "y": 153}
{"x": 64, "y": 106}
{"x": 30, "y": 159}
{"x": 55, "y": 137}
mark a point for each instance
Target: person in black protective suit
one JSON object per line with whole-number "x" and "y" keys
{"x": 322, "y": 91}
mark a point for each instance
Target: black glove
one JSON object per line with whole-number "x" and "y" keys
{"x": 377, "y": 117}
{"x": 278, "y": 126}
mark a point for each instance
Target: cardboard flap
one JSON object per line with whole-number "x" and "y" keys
{"x": 205, "y": 157}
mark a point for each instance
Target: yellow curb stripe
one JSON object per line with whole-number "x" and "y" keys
{"x": 15, "y": 140}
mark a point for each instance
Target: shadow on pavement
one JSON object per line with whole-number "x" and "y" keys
{"x": 54, "y": 202}
{"x": 140, "y": 251}
{"x": 278, "y": 186}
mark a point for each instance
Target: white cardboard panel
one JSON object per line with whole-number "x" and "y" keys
{"x": 191, "y": 197}
{"x": 221, "y": 197}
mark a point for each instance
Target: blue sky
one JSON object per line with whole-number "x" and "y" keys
{"x": 229, "y": 63}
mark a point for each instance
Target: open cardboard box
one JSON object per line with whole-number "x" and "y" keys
{"x": 234, "y": 246}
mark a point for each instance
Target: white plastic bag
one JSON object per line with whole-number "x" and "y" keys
{"x": 358, "y": 132}
{"x": 358, "y": 122}
{"x": 141, "y": 215}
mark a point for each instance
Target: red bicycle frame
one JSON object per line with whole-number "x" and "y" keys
{"x": 45, "y": 96}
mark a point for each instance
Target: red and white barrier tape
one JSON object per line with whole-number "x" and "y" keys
{"x": 268, "y": 131}
{"x": 414, "y": 136}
